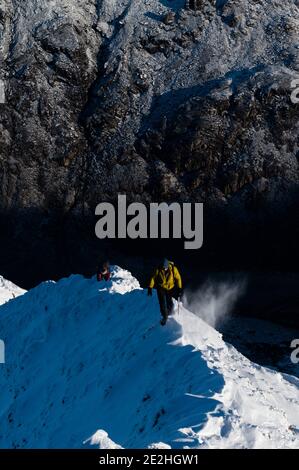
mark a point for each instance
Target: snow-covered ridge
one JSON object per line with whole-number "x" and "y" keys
{"x": 8, "y": 290}
{"x": 88, "y": 364}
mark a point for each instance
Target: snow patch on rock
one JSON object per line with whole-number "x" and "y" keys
{"x": 9, "y": 291}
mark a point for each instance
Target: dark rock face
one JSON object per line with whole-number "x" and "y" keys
{"x": 154, "y": 101}
{"x": 195, "y": 4}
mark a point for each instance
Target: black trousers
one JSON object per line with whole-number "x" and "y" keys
{"x": 165, "y": 301}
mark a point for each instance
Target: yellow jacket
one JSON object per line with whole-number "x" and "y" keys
{"x": 166, "y": 280}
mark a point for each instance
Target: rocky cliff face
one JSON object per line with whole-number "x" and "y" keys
{"x": 151, "y": 99}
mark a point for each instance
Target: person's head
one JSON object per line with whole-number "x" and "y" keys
{"x": 105, "y": 266}
{"x": 165, "y": 264}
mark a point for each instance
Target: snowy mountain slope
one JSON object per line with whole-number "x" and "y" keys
{"x": 256, "y": 409}
{"x": 8, "y": 290}
{"x": 88, "y": 364}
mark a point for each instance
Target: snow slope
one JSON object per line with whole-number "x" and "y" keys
{"x": 9, "y": 291}
{"x": 88, "y": 364}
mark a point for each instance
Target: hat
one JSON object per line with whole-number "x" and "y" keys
{"x": 165, "y": 263}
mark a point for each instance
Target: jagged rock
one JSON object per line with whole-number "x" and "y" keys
{"x": 169, "y": 18}
{"x": 194, "y": 4}
{"x": 199, "y": 4}
{"x": 104, "y": 97}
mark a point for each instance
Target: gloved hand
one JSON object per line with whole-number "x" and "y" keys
{"x": 149, "y": 291}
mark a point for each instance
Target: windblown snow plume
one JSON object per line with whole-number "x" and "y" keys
{"x": 214, "y": 301}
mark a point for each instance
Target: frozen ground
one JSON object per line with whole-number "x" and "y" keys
{"x": 89, "y": 365}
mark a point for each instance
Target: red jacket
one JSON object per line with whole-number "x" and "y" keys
{"x": 104, "y": 277}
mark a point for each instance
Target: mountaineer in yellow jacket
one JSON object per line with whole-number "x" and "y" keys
{"x": 166, "y": 279}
